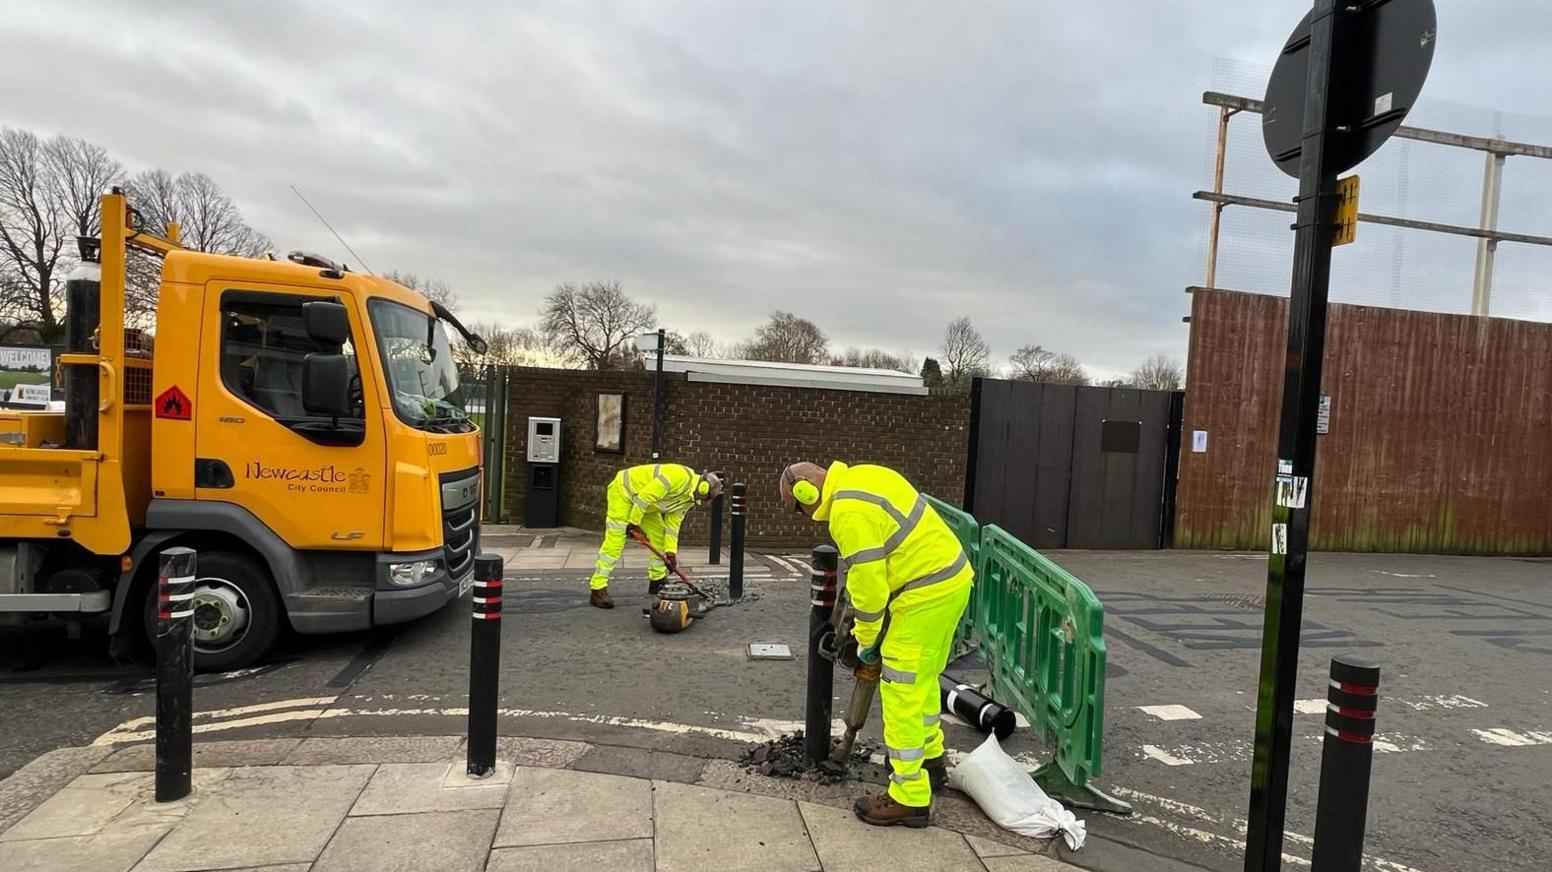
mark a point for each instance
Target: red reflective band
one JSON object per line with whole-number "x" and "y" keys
{"x": 488, "y": 616}
{"x": 827, "y": 573}
{"x": 1364, "y": 714}
{"x": 164, "y": 615}
{"x": 1352, "y": 737}
{"x": 488, "y": 585}
{"x": 1359, "y": 689}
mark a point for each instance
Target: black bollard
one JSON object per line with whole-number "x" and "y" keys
{"x": 736, "y": 557}
{"x": 821, "y": 671}
{"x": 979, "y": 711}
{"x": 174, "y": 675}
{"x": 1342, "y": 810}
{"x": 484, "y": 665}
{"x": 715, "y": 529}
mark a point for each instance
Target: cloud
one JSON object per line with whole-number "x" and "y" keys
{"x": 878, "y": 167}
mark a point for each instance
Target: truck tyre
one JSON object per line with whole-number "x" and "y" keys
{"x": 236, "y": 612}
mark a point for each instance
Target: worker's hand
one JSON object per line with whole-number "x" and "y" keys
{"x": 672, "y": 560}
{"x": 868, "y": 655}
{"x": 634, "y": 532}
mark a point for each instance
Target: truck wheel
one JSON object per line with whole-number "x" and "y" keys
{"x": 236, "y": 613}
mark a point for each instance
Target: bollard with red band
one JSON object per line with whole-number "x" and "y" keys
{"x": 736, "y": 547}
{"x": 484, "y": 664}
{"x": 1342, "y": 811}
{"x": 821, "y": 671}
{"x": 175, "y": 675}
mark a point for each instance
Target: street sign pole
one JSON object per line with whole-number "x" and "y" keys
{"x": 1289, "y": 536}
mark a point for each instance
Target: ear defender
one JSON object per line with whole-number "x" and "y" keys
{"x": 804, "y": 492}
{"x": 702, "y": 488}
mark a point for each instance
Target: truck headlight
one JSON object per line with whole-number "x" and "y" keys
{"x": 411, "y": 574}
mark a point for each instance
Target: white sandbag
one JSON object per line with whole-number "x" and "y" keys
{"x": 1001, "y": 787}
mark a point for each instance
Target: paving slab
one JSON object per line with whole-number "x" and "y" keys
{"x": 1033, "y": 863}
{"x": 320, "y": 750}
{"x": 632, "y": 855}
{"x": 104, "y": 852}
{"x": 846, "y": 844}
{"x": 987, "y": 848}
{"x": 29, "y": 786}
{"x": 446, "y": 841}
{"x": 116, "y": 801}
{"x": 262, "y": 816}
{"x": 552, "y": 806}
{"x": 641, "y": 763}
{"x": 404, "y": 788}
{"x": 244, "y": 752}
{"x": 549, "y": 753}
{"x": 693, "y": 832}
{"x": 286, "y": 867}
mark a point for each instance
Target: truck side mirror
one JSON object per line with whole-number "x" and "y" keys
{"x": 326, "y": 384}
{"x": 326, "y": 323}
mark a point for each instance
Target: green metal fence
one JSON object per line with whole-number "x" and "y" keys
{"x": 1041, "y": 633}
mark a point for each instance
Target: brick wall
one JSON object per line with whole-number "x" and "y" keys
{"x": 749, "y": 430}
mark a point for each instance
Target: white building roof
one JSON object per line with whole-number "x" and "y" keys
{"x": 790, "y": 375}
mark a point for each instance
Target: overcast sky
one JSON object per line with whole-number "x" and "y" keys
{"x": 877, "y": 167}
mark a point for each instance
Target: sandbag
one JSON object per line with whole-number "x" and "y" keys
{"x": 1012, "y": 799}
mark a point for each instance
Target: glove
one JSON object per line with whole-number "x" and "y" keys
{"x": 672, "y": 560}
{"x": 868, "y": 655}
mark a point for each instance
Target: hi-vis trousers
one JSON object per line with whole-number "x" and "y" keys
{"x": 915, "y": 651}
{"x": 614, "y": 538}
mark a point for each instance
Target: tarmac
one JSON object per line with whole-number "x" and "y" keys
{"x": 385, "y": 804}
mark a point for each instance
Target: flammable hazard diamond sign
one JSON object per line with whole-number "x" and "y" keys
{"x": 173, "y": 403}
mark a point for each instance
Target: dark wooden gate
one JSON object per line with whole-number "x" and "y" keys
{"x": 1062, "y": 466}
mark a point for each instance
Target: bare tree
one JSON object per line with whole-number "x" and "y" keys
{"x": 435, "y": 290}
{"x": 1160, "y": 373}
{"x": 1036, "y": 364}
{"x": 505, "y": 346}
{"x": 32, "y": 234}
{"x": 701, "y": 344}
{"x": 786, "y": 338}
{"x": 965, "y": 352}
{"x": 593, "y": 323}
{"x": 80, "y": 172}
{"x": 208, "y": 220}
{"x": 874, "y": 358}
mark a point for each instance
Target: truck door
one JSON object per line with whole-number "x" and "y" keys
{"x": 317, "y": 482}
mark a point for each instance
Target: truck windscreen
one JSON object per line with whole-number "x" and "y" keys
{"x": 421, "y": 371}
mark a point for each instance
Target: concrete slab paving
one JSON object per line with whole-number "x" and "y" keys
{"x": 104, "y": 852}
{"x": 245, "y": 752}
{"x": 1029, "y": 863}
{"x": 447, "y": 841}
{"x": 320, "y": 750}
{"x": 405, "y": 788}
{"x": 693, "y": 832}
{"x": 262, "y": 816}
{"x": 641, "y": 763}
{"x": 115, "y": 801}
{"x": 987, "y": 848}
{"x": 631, "y": 855}
{"x": 845, "y": 844}
{"x": 553, "y": 806}
{"x": 549, "y": 753}
{"x": 41, "y": 778}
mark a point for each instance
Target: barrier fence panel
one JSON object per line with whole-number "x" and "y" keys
{"x": 968, "y": 530}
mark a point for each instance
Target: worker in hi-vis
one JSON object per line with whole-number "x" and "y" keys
{"x": 908, "y": 580}
{"x": 651, "y": 498}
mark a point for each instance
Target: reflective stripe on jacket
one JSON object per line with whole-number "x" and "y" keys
{"x": 897, "y": 552}
{"x": 665, "y": 488}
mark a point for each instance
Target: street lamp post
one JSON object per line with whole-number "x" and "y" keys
{"x": 655, "y": 342}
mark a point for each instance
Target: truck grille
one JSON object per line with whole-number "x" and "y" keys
{"x": 460, "y": 521}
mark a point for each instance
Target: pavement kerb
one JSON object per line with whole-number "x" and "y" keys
{"x": 40, "y": 779}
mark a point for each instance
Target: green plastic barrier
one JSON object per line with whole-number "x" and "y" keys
{"x": 968, "y": 529}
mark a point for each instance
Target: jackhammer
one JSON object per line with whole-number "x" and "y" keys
{"x": 676, "y": 604}
{"x": 839, "y": 646}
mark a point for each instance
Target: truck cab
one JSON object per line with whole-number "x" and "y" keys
{"x": 299, "y": 425}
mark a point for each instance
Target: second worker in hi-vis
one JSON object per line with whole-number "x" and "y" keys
{"x": 652, "y": 498}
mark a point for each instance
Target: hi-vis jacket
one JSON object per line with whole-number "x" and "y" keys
{"x": 667, "y": 489}
{"x": 895, "y": 550}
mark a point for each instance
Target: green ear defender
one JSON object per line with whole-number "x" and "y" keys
{"x": 804, "y": 492}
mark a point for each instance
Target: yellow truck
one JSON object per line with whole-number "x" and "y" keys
{"x": 300, "y": 425}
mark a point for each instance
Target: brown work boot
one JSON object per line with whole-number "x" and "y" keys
{"x": 654, "y": 585}
{"x": 881, "y": 810}
{"x": 600, "y": 599}
{"x": 937, "y": 773}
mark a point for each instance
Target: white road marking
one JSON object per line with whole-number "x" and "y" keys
{"x": 1448, "y": 701}
{"x": 129, "y": 727}
{"x": 1170, "y": 712}
{"x": 1154, "y": 752}
{"x": 1309, "y": 706}
{"x": 1404, "y": 574}
{"x": 1512, "y": 738}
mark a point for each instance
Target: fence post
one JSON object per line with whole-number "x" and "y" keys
{"x": 484, "y": 664}
{"x": 736, "y": 557}
{"x": 715, "y": 531}
{"x": 1342, "y": 811}
{"x": 821, "y": 672}
{"x": 174, "y": 675}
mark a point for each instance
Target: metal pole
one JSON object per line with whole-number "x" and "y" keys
{"x": 484, "y": 664}
{"x": 657, "y": 398}
{"x": 1224, "y": 113}
{"x": 736, "y": 551}
{"x": 1482, "y": 281}
{"x": 821, "y": 672}
{"x": 1342, "y": 811}
{"x": 174, "y": 675}
{"x": 1293, "y": 497}
{"x": 715, "y": 531}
